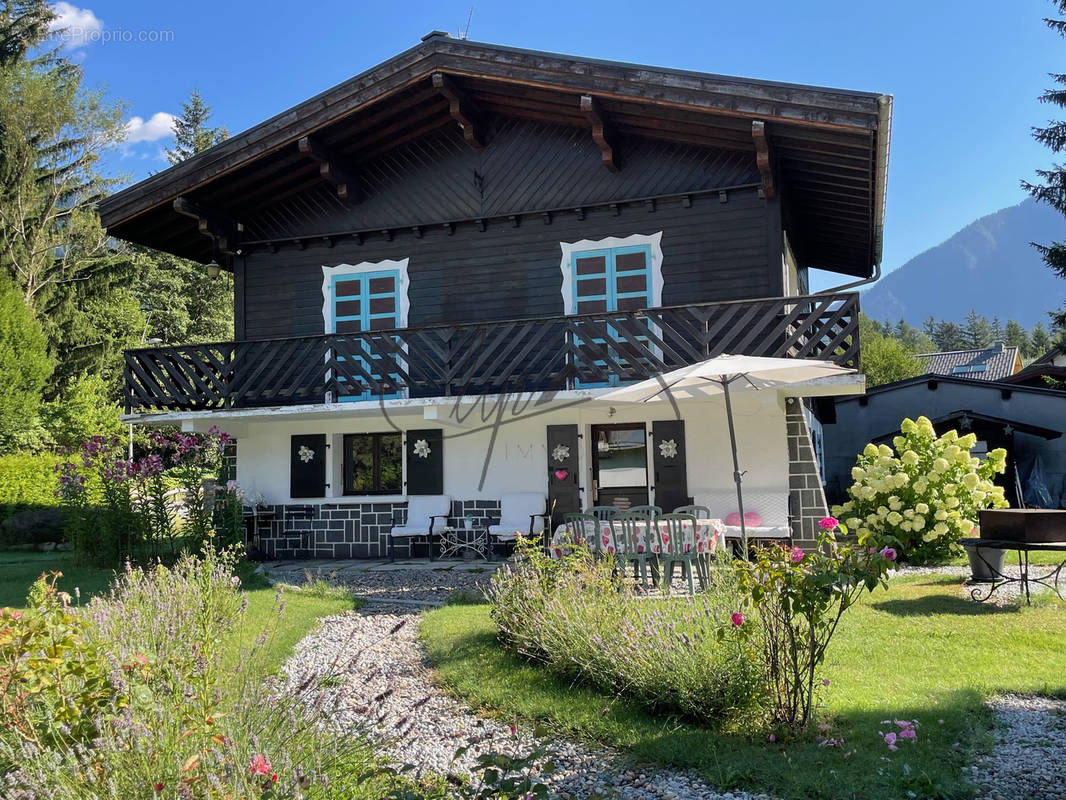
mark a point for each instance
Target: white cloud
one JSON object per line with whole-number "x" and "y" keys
{"x": 74, "y": 27}
{"x": 157, "y": 126}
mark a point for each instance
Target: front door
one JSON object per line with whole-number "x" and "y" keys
{"x": 620, "y": 465}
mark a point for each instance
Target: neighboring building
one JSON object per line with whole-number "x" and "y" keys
{"x": 1027, "y": 421}
{"x": 994, "y": 363}
{"x": 442, "y": 263}
{"x": 1051, "y": 365}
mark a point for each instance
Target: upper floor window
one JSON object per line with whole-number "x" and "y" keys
{"x": 361, "y": 299}
{"x": 365, "y": 297}
{"x": 614, "y": 274}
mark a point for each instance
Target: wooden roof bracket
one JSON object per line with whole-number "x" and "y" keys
{"x": 601, "y": 133}
{"x": 463, "y": 110}
{"x": 331, "y": 170}
{"x": 225, "y": 232}
{"x": 762, "y": 158}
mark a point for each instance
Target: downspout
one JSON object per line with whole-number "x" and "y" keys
{"x": 884, "y": 135}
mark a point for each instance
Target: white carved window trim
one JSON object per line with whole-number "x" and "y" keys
{"x": 403, "y": 283}
{"x": 652, "y": 241}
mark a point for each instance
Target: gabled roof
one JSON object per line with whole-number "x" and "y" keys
{"x": 829, "y": 147}
{"x": 984, "y": 364}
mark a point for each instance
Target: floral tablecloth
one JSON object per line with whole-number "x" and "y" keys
{"x": 708, "y": 536}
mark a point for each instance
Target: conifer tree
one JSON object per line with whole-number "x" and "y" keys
{"x": 1051, "y": 187}
{"x": 192, "y": 134}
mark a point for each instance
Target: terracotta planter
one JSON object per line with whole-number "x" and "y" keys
{"x": 985, "y": 562}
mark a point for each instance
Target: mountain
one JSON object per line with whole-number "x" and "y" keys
{"x": 988, "y": 266}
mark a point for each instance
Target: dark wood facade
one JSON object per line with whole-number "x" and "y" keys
{"x": 475, "y": 163}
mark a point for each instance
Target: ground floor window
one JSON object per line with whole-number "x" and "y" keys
{"x": 373, "y": 463}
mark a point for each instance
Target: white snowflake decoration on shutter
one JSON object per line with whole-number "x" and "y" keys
{"x": 560, "y": 453}
{"x": 421, "y": 448}
{"x": 305, "y": 453}
{"x": 668, "y": 448}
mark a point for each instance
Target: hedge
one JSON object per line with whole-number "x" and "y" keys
{"x": 27, "y": 481}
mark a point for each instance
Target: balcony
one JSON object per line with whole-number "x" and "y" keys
{"x": 543, "y": 354}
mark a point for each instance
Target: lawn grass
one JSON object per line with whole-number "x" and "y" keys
{"x": 914, "y": 651}
{"x": 19, "y": 569}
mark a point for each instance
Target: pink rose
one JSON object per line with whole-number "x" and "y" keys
{"x": 737, "y": 618}
{"x": 889, "y": 554}
{"x": 828, "y": 523}
{"x": 797, "y": 555}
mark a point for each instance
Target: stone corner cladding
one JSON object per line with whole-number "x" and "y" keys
{"x": 350, "y": 530}
{"x": 804, "y": 481}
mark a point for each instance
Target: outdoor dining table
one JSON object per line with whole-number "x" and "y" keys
{"x": 708, "y": 537}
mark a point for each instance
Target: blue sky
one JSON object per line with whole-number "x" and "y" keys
{"x": 965, "y": 75}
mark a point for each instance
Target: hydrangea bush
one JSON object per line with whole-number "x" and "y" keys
{"x": 923, "y": 495}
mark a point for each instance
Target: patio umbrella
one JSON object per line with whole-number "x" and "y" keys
{"x": 726, "y": 373}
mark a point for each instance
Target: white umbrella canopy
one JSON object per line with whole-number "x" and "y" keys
{"x": 723, "y": 374}
{"x": 736, "y": 372}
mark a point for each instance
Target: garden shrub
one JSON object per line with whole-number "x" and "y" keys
{"x": 580, "y": 619}
{"x": 25, "y": 365}
{"x": 800, "y": 597}
{"x": 26, "y": 481}
{"x": 33, "y": 526}
{"x": 121, "y": 508}
{"x": 925, "y": 494}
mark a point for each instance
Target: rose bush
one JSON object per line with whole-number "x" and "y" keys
{"x": 925, "y": 493}
{"x": 800, "y": 597}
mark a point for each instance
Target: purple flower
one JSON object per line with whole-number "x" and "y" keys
{"x": 888, "y": 553}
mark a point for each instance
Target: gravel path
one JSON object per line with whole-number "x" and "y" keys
{"x": 1029, "y": 757}
{"x": 366, "y": 669}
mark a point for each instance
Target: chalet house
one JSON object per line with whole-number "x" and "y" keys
{"x": 996, "y": 363}
{"x": 442, "y": 263}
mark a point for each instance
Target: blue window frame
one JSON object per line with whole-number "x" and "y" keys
{"x": 366, "y": 302}
{"x": 611, "y": 279}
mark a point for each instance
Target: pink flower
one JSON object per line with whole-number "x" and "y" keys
{"x": 159, "y": 786}
{"x": 797, "y": 555}
{"x": 825, "y": 681}
{"x": 737, "y": 618}
{"x": 773, "y": 738}
{"x": 909, "y": 733}
{"x": 16, "y": 615}
{"x": 889, "y": 554}
{"x": 259, "y": 765}
{"x": 236, "y": 581}
{"x": 890, "y": 740}
{"x": 828, "y": 523}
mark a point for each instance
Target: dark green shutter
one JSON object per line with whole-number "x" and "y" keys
{"x": 425, "y": 475}
{"x": 564, "y": 490}
{"x": 307, "y": 474}
{"x": 671, "y": 475}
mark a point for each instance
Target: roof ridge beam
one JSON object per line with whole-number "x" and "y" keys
{"x": 463, "y": 110}
{"x": 331, "y": 170}
{"x": 762, "y": 158}
{"x": 601, "y": 133}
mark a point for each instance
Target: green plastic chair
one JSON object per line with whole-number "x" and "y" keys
{"x": 703, "y": 560}
{"x": 652, "y": 511}
{"x": 673, "y": 538}
{"x": 634, "y": 529}
{"x": 602, "y": 513}
{"x": 578, "y": 525}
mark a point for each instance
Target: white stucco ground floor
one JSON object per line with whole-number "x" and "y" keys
{"x": 330, "y": 480}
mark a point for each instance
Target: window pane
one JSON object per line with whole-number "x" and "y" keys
{"x": 349, "y": 288}
{"x": 382, "y": 285}
{"x": 591, "y": 266}
{"x": 623, "y": 458}
{"x": 592, "y": 286}
{"x": 632, "y": 303}
{"x": 628, "y": 261}
{"x": 632, "y": 283}
{"x": 591, "y": 306}
{"x": 348, "y": 326}
{"x": 391, "y": 463}
{"x": 382, "y": 305}
{"x": 347, "y": 308}
{"x": 361, "y": 461}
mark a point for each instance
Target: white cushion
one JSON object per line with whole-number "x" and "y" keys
{"x": 507, "y": 533}
{"x": 420, "y": 508}
{"x": 520, "y": 506}
{"x": 401, "y": 531}
{"x": 777, "y": 532}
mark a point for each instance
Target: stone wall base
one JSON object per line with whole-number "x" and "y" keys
{"x": 806, "y": 494}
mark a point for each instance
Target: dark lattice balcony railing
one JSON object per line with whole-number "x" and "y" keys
{"x": 544, "y": 354}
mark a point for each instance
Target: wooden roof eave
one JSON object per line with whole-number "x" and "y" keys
{"x": 800, "y": 105}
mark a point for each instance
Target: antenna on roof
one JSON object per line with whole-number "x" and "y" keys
{"x": 464, "y": 33}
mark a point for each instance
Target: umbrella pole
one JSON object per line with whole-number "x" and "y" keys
{"x": 738, "y": 476}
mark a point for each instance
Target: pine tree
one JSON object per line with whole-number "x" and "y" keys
{"x": 181, "y": 304}
{"x": 995, "y": 331}
{"x": 1052, "y": 186}
{"x": 52, "y": 133}
{"x": 191, "y": 132}
{"x": 976, "y": 331}
{"x": 1041, "y": 340}
{"x": 949, "y": 336}
{"x": 24, "y": 365}
{"x": 1016, "y": 336}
